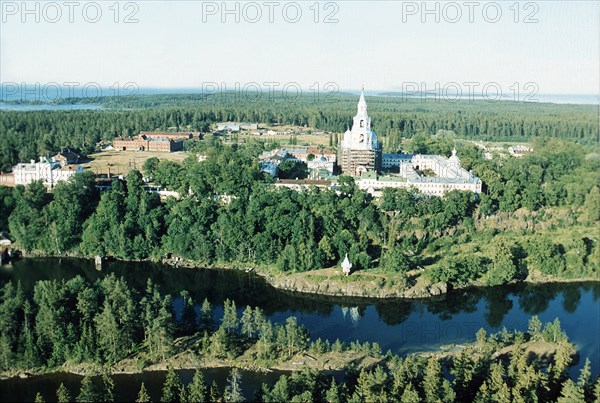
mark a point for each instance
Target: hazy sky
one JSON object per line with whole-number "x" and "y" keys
{"x": 382, "y": 44}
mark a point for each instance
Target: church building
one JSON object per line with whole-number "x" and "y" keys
{"x": 360, "y": 151}
{"x": 360, "y": 156}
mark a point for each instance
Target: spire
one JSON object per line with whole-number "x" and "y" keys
{"x": 362, "y": 96}
{"x": 362, "y": 104}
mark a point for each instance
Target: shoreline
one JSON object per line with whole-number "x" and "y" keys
{"x": 303, "y": 359}
{"x": 350, "y": 286}
{"x": 187, "y": 360}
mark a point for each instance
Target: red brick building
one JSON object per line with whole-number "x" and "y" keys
{"x": 152, "y": 141}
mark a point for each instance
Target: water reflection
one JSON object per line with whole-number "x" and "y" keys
{"x": 126, "y": 386}
{"x": 571, "y": 298}
{"x": 354, "y": 314}
{"x": 400, "y": 325}
{"x": 497, "y": 306}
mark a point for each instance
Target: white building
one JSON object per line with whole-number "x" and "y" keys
{"x": 519, "y": 151}
{"x": 431, "y": 174}
{"x": 321, "y": 160}
{"x": 449, "y": 175}
{"x": 389, "y": 161}
{"x": 360, "y": 156}
{"x": 49, "y": 170}
{"x": 321, "y": 163}
{"x": 230, "y": 127}
{"x": 360, "y": 150}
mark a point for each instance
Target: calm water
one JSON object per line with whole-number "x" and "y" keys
{"x": 403, "y": 326}
{"x": 126, "y": 386}
{"x": 48, "y": 107}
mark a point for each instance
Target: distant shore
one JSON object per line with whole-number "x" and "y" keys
{"x": 332, "y": 283}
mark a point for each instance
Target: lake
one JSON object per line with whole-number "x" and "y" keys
{"x": 402, "y": 326}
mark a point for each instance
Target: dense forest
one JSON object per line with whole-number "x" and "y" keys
{"x": 73, "y": 322}
{"x": 26, "y": 135}
{"x": 538, "y": 214}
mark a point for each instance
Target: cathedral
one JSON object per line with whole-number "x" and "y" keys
{"x": 360, "y": 151}
{"x": 360, "y": 156}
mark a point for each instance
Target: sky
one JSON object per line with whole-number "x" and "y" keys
{"x": 552, "y": 47}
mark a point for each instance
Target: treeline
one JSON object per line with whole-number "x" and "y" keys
{"x": 229, "y": 213}
{"x": 26, "y": 135}
{"x": 506, "y": 366}
{"x": 402, "y": 380}
{"x": 73, "y": 322}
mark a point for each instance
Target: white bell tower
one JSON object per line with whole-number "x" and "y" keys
{"x": 362, "y": 137}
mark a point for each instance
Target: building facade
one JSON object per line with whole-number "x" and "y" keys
{"x": 152, "y": 141}
{"x": 316, "y": 159}
{"x": 171, "y": 135}
{"x": 49, "y": 170}
{"x": 360, "y": 150}
{"x": 446, "y": 174}
{"x": 360, "y": 156}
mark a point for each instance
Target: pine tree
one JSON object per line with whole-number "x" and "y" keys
{"x": 585, "y": 379}
{"x": 188, "y": 317}
{"x": 230, "y": 320}
{"x": 62, "y": 394}
{"x": 233, "y": 390}
{"x": 333, "y": 394}
{"x": 184, "y": 394}
{"x": 481, "y": 337}
{"x": 215, "y": 395}
{"x": 534, "y": 328}
{"x": 143, "y": 396}
{"x": 197, "y": 389}
{"x": 108, "y": 333}
{"x": 28, "y": 340}
{"x": 280, "y": 391}
{"x": 432, "y": 380}
{"x": 39, "y": 398}
{"x": 410, "y": 395}
{"x": 562, "y": 360}
{"x": 160, "y": 339}
{"x": 247, "y": 322}
{"x": 592, "y": 204}
{"x": 206, "y": 319}
{"x": 109, "y": 388}
{"x": 570, "y": 393}
{"x": 171, "y": 387}
{"x": 258, "y": 318}
{"x": 498, "y": 389}
{"x": 87, "y": 392}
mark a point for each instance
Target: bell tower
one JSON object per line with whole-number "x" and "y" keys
{"x": 360, "y": 151}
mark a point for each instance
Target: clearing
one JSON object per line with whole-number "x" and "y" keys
{"x": 120, "y": 162}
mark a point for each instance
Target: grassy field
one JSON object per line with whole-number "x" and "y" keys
{"x": 120, "y": 162}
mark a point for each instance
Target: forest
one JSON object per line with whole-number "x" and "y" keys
{"x": 27, "y": 135}
{"x": 65, "y": 323}
{"x": 537, "y": 214}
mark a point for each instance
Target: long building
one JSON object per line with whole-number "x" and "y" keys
{"x": 49, "y": 170}
{"x": 153, "y": 141}
{"x": 448, "y": 176}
